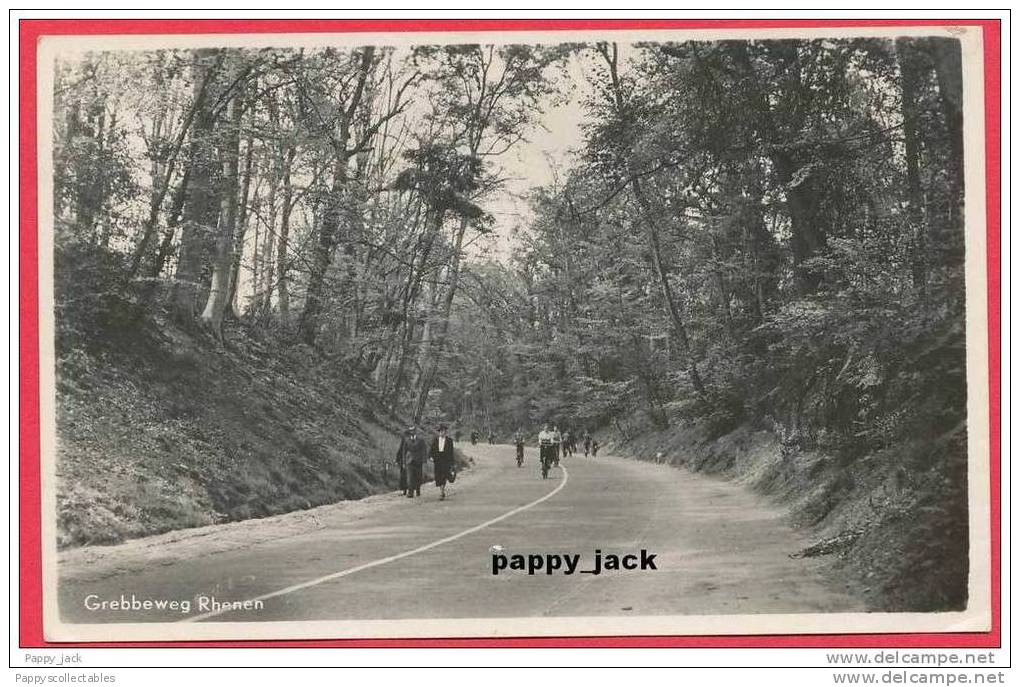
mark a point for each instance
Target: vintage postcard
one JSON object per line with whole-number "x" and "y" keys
{"x": 523, "y": 333}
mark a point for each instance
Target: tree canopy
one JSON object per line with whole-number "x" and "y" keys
{"x": 751, "y": 230}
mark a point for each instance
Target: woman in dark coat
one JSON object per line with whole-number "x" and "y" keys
{"x": 441, "y": 452}
{"x": 415, "y": 455}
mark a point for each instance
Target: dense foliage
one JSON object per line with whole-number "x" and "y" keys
{"x": 326, "y": 195}
{"x": 767, "y": 227}
{"x": 765, "y": 230}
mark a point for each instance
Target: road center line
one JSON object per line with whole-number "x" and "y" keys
{"x": 396, "y": 557}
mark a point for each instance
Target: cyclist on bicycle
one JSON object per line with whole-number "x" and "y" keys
{"x": 546, "y": 448}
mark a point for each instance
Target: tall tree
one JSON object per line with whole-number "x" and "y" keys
{"x": 226, "y": 255}
{"x": 623, "y": 110}
{"x": 489, "y": 96}
{"x": 201, "y": 203}
{"x": 358, "y": 69}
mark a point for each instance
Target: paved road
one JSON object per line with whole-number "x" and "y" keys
{"x": 719, "y": 549}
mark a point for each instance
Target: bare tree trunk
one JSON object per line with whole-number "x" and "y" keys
{"x": 675, "y": 317}
{"x": 322, "y": 255}
{"x": 906, "y": 55}
{"x": 439, "y": 343}
{"x": 412, "y": 290}
{"x": 329, "y": 230}
{"x": 807, "y": 237}
{"x": 89, "y": 194}
{"x": 200, "y": 207}
{"x": 242, "y": 228}
{"x": 264, "y": 294}
{"x": 759, "y": 247}
{"x": 283, "y": 245}
{"x": 219, "y": 289}
{"x": 949, "y": 72}
{"x": 264, "y": 261}
{"x": 611, "y": 54}
{"x": 167, "y": 244}
{"x": 161, "y": 182}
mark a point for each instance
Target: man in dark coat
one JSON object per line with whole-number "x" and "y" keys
{"x": 416, "y": 452}
{"x": 441, "y": 452}
{"x": 402, "y": 461}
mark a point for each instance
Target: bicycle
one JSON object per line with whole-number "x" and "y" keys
{"x": 546, "y": 459}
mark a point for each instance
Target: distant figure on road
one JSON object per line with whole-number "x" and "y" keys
{"x": 474, "y": 437}
{"x": 519, "y": 444}
{"x": 594, "y": 448}
{"x": 492, "y": 437}
{"x": 546, "y": 448}
{"x": 568, "y": 449}
{"x": 416, "y": 452}
{"x": 441, "y": 452}
{"x": 587, "y": 444}
{"x": 557, "y": 445}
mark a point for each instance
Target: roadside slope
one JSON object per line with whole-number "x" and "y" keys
{"x": 162, "y": 429}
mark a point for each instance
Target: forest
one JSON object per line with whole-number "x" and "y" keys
{"x": 755, "y": 240}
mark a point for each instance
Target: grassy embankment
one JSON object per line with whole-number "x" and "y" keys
{"x": 162, "y": 429}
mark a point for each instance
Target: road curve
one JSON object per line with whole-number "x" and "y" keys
{"x": 718, "y": 550}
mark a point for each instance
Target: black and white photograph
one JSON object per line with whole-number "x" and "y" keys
{"x": 521, "y": 334}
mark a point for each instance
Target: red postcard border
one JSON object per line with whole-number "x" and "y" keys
{"x": 31, "y": 628}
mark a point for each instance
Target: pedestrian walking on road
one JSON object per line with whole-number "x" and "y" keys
{"x": 416, "y": 452}
{"x": 441, "y": 452}
{"x": 594, "y": 448}
{"x": 587, "y": 444}
{"x": 402, "y": 461}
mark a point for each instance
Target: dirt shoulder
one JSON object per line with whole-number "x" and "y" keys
{"x": 89, "y": 563}
{"x": 886, "y": 533}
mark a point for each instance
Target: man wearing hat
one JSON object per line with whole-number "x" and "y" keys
{"x": 415, "y": 455}
{"x": 441, "y": 452}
